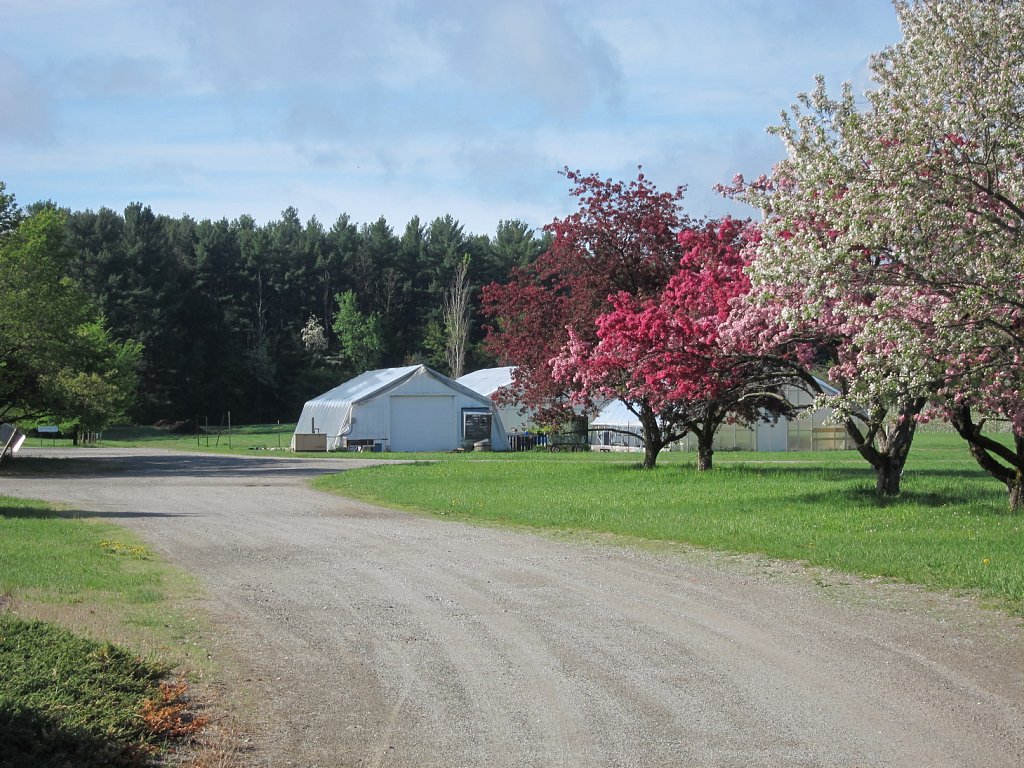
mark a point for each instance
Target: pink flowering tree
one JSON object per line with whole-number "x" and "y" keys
{"x": 662, "y": 356}
{"x": 790, "y": 325}
{"x": 904, "y": 216}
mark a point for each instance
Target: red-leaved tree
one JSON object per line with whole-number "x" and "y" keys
{"x": 622, "y": 238}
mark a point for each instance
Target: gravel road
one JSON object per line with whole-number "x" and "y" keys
{"x": 363, "y": 636}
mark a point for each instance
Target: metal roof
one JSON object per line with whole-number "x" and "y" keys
{"x": 487, "y": 381}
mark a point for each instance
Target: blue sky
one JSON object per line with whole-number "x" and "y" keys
{"x": 406, "y": 107}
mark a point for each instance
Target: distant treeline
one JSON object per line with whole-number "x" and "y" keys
{"x": 220, "y": 305}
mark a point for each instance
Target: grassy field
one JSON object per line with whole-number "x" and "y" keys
{"x": 240, "y": 439}
{"x": 948, "y": 530}
{"x": 70, "y": 694}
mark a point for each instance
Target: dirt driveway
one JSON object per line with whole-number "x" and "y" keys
{"x": 368, "y": 637}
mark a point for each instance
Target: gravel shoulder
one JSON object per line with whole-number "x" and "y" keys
{"x": 362, "y": 636}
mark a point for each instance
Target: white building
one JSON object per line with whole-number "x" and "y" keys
{"x": 413, "y": 408}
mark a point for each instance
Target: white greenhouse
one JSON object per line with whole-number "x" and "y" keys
{"x": 413, "y": 408}
{"x": 807, "y": 432}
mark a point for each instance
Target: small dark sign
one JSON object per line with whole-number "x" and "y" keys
{"x": 476, "y": 426}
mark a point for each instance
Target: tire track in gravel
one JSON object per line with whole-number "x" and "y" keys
{"x": 368, "y": 637}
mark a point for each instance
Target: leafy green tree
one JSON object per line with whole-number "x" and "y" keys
{"x": 342, "y": 243}
{"x": 99, "y": 385}
{"x": 10, "y": 214}
{"x": 360, "y": 335}
{"x": 135, "y": 268}
{"x": 435, "y": 344}
{"x": 55, "y": 353}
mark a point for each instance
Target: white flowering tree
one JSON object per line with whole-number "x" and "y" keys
{"x": 789, "y": 328}
{"x": 903, "y": 216}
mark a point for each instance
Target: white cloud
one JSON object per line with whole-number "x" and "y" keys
{"x": 530, "y": 54}
{"x": 402, "y": 107}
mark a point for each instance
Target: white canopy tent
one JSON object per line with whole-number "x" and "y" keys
{"x": 413, "y": 408}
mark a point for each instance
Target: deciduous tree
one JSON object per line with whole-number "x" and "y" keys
{"x": 622, "y": 238}
{"x": 360, "y": 337}
{"x": 455, "y": 311}
{"x": 56, "y": 357}
{"x": 662, "y": 356}
{"x": 908, "y": 211}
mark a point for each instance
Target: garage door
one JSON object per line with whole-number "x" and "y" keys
{"x": 423, "y": 423}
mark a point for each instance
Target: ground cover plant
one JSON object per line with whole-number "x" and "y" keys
{"x": 68, "y": 700}
{"x": 68, "y": 695}
{"x": 948, "y": 529}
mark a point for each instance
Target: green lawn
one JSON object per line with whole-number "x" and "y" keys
{"x": 50, "y": 557}
{"x": 948, "y": 530}
{"x": 240, "y": 439}
{"x": 92, "y": 576}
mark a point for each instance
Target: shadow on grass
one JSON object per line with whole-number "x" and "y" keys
{"x": 840, "y": 472}
{"x": 29, "y": 739}
{"x": 25, "y": 510}
{"x": 823, "y": 484}
{"x": 973, "y": 495}
{"x": 867, "y": 496}
{"x": 993, "y": 497}
{"x": 66, "y": 700}
{"x": 741, "y": 470}
{"x": 40, "y": 513}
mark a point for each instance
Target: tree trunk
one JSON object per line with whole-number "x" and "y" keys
{"x": 888, "y": 474}
{"x": 651, "y": 451}
{"x": 1016, "y": 489}
{"x": 889, "y": 456}
{"x": 652, "y": 436}
{"x": 705, "y": 438}
{"x": 991, "y": 454}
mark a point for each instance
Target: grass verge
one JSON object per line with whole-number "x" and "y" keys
{"x": 948, "y": 529}
{"x": 68, "y": 694}
{"x": 97, "y": 579}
